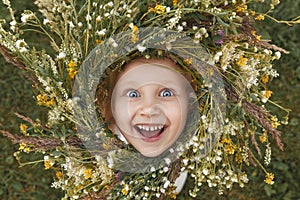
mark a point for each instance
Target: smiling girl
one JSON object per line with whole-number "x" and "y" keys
{"x": 149, "y": 104}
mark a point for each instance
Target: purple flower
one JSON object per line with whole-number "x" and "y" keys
{"x": 117, "y": 175}
{"x": 221, "y": 33}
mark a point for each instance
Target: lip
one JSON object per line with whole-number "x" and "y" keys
{"x": 150, "y": 132}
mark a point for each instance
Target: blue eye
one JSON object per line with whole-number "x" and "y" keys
{"x": 166, "y": 93}
{"x": 133, "y": 94}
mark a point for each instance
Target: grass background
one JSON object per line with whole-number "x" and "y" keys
{"x": 33, "y": 182}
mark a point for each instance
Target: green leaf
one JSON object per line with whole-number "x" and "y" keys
{"x": 17, "y": 186}
{"x": 298, "y": 72}
{"x": 281, "y": 166}
{"x": 222, "y": 22}
{"x": 269, "y": 190}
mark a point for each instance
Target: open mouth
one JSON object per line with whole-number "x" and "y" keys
{"x": 150, "y": 131}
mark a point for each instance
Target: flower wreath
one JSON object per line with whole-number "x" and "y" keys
{"x": 88, "y": 40}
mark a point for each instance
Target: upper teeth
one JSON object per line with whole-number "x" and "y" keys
{"x": 150, "y": 128}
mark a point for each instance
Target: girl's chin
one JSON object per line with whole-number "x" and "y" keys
{"x": 153, "y": 152}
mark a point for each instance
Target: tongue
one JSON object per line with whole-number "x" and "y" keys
{"x": 150, "y": 134}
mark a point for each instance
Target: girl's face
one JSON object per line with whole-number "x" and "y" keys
{"x": 150, "y": 105}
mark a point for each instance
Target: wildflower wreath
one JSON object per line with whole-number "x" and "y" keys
{"x": 215, "y": 41}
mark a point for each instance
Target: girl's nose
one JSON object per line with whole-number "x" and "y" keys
{"x": 150, "y": 111}
{"x": 150, "y": 107}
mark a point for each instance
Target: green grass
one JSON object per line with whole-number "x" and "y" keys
{"x": 33, "y": 182}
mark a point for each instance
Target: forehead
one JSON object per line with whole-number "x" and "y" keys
{"x": 146, "y": 71}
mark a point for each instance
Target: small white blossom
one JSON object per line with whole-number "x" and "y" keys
{"x": 180, "y": 28}
{"x": 98, "y": 18}
{"x": 168, "y": 161}
{"x": 13, "y": 25}
{"x": 110, "y": 4}
{"x": 205, "y": 171}
{"x": 277, "y": 55}
{"x": 165, "y": 169}
{"x": 203, "y": 31}
{"x": 152, "y": 169}
{"x": 26, "y": 17}
{"x": 166, "y": 184}
{"x": 46, "y": 21}
{"x": 197, "y": 35}
{"x": 101, "y": 32}
{"x": 21, "y": 45}
{"x": 61, "y": 55}
{"x": 267, "y": 158}
{"x": 80, "y": 24}
{"x": 266, "y": 51}
{"x": 88, "y": 18}
{"x": 71, "y": 24}
{"x": 141, "y": 48}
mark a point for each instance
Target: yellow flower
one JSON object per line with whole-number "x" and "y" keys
{"x": 125, "y": 189}
{"x": 135, "y": 32}
{"x": 135, "y": 29}
{"x": 158, "y": 9}
{"x": 269, "y": 178}
{"x": 225, "y": 140}
{"x": 229, "y": 146}
{"x": 173, "y": 195}
{"x": 107, "y": 187}
{"x": 59, "y": 174}
{"x": 79, "y": 187}
{"x": 43, "y": 100}
{"x": 88, "y": 173}
{"x": 259, "y": 17}
{"x": 50, "y": 102}
{"x": 242, "y": 61}
{"x": 187, "y": 61}
{"x": 263, "y": 138}
{"x": 265, "y": 79}
{"x": 99, "y": 41}
{"x": 175, "y": 2}
{"x": 239, "y": 158}
{"x": 105, "y": 146}
{"x": 258, "y": 37}
{"x": 24, "y": 147}
{"x": 47, "y": 164}
{"x": 23, "y": 128}
{"x": 275, "y": 122}
{"x": 241, "y": 8}
{"x": 72, "y": 70}
{"x": 267, "y": 93}
{"x": 72, "y": 64}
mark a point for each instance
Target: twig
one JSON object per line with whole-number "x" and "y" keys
{"x": 40, "y": 143}
{"x": 11, "y": 59}
{"x": 258, "y": 113}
